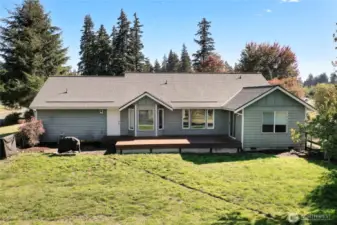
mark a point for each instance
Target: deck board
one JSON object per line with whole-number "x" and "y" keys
{"x": 178, "y": 142}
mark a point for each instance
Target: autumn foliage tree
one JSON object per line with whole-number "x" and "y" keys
{"x": 212, "y": 64}
{"x": 272, "y": 60}
{"x": 291, "y": 84}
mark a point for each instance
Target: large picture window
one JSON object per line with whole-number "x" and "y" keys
{"x": 145, "y": 119}
{"x": 198, "y": 118}
{"x": 131, "y": 119}
{"x": 275, "y": 122}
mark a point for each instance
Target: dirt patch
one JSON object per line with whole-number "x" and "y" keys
{"x": 292, "y": 153}
{"x": 38, "y": 149}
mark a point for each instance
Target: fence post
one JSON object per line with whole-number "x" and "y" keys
{"x": 306, "y": 141}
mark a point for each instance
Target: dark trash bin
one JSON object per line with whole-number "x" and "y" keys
{"x": 67, "y": 144}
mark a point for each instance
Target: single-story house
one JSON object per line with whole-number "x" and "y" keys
{"x": 242, "y": 106}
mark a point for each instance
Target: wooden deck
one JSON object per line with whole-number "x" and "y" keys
{"x": 207, "y": 142}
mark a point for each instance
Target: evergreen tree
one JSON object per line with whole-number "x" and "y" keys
{"x": 333, "y": 78}
{"x": 164, "y": 64}
{"x": 173, "y": 62}
{"x": 136, "y": 45}
{"x": 185, "y": 61}
{"x": 309, "y": 81}
{"x": 103, "y": 52}
{"x": 113, "y": 52}
{"x": 122, "y": 60}
{"x": 228, "y": 68}
{"x": 205, "y": 42}
{"x": 157, "y": 67}
{"x": 148, "y": 68}
{"x": 87, "y": 64}
{"x": 32, "y": 50}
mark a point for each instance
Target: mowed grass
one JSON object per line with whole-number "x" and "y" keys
{"x": 164, "y": 189}
{"x": 9, "y": 130}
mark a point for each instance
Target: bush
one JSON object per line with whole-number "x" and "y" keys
{"x": 31, "y": 131}
{"x": 28, "y": 115}
{"x": 12, "y": 119}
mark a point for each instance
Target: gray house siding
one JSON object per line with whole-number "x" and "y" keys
{"x": 253, "y": 117}
{"x": 173, "y": 124}
{"x": 124, "y": 123}
{"x": 87, "y": 125}
{"x": 238, "y": 127}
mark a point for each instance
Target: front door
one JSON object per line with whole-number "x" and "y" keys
{"x": 113, "y": 122}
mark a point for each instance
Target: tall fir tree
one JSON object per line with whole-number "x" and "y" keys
{"x": 113, "y": 52}
{"x": 173, "y": 62}
{"x": 185, "y": 61}
{"x": 205, "y": 42}
{"x": 148, "y": 68}
{"x": 88, "y": 63}
{"x": 164, "y": 64}
{"x": 122, "y": 60}
{"x": 103, "y": 52}
{"x": 136, "y": 45}
{"x": 32, "y": 50}
{"x": 157, "y": 67}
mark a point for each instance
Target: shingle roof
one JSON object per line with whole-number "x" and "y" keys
{"x": 247, "y": 94}
{"x": 176, "y": 89}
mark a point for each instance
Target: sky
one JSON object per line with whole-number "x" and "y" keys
{"x": 304, "y": 25}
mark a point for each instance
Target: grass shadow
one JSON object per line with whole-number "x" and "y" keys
{"x": 323, "y": 199}
{"x": 219, "y": 158}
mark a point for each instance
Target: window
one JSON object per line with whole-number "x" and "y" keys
{"x": 275, "y": 122}
{"x": 198, "y": 118}
{"x": 160, "y": 119}
{"x": 186, "y": 118}
{"x": 131, "y": 119}
{"x": 210, "y": 119}
{"x": 145, "y": 119}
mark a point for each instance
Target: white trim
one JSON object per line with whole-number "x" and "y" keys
{"x": 153, "y": 113}
{"x": 182, "y": 119}
{"x": 229, "y": 123}
{"x": 274, "y": 125}
{"x": 145, "y": 94}
{"x": 272, "y": 90}
{"x": 156, "y": 119}
{"x": 136, "y": 122}
{"x": 242, "y": 127}
{"x": 231, "y": 97}
{"x": 161, "y": 109}
{"x": 35, "y": 112}
{"x": 129, "y": 117}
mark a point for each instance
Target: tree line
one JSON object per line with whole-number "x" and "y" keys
{"x": 32, "y": 49}
{"x": 320, "y": 79}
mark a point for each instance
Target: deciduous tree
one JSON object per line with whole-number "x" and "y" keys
{"x": 213, "y": 64}
{"x": 31, "y": 48}
{"x": 272, "y": 60}
{"x": 292, "y": 84}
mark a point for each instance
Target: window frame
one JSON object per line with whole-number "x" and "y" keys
{"x": 129, "y": 118}
{"x": 190, "y": 119}
{"x": 146, "y": 109}
{"x": 182, "y": 119}
{"x": 274, "y": 122}
{"x": 161, "y": 109}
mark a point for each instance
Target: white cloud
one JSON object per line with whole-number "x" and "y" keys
{"x": 290, "y": 0}
{"x": 268, "y": 10}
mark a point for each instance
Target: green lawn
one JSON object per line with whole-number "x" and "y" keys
{"x": 9, "y": 130}
{"x": 164, "y": 189}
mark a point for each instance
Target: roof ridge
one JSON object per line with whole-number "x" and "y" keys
{"x": 261, "y": 86}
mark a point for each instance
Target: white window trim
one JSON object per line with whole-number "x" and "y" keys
{"x": 189, "y": 120}
{"x": 276, "y": 124}
{"x": 153, "y": 111}
{"x": 182, "y": 118}
{"x": 129, "y": 118}
{"x": 161, "y": 109}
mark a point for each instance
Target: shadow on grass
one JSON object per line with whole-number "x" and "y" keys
{"x": 236, "y": 218}
{"x": 218, "y": 158}
{"x": 323, "y": 200}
